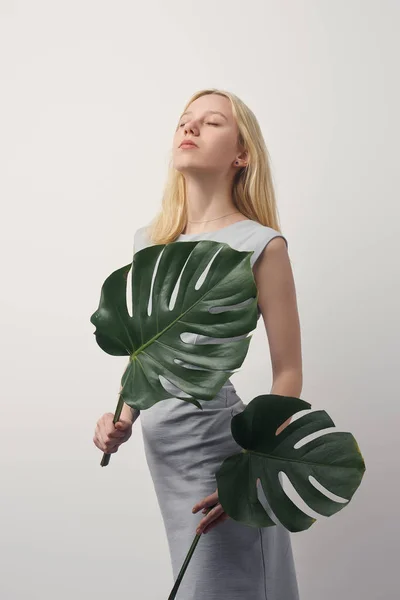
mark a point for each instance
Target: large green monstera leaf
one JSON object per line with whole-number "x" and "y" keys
{"x": 333, "y": 460}
{"x": 202, "y": 287}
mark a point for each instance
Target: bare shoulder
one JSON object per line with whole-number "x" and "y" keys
{"x": 275, "y": 249}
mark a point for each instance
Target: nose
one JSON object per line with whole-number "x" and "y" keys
{"x": 189, "y": 127}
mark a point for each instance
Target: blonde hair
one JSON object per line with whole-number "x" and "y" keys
{"x": 253, "y": 191}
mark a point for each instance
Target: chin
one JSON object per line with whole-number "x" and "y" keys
{"x": 188, "y": 167}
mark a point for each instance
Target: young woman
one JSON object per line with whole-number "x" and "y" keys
{"x": 219, "y": 188}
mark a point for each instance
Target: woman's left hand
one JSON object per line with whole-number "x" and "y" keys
{"x": 216, "y": 515}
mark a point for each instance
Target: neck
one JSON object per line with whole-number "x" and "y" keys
{"x": 209, "y": 199}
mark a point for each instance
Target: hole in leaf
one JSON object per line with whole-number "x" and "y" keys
{"x": 172, "y": 388}
{"x": 182, "y": 363}
{"x": 219, "y": 309}
{"x": 265, "y": 504}
{"x": 205, "y": 339}
{"x": 188, "y": 337}
{"x": 314, "y": 436}
{"x": 325, "y": 491}
{"x": 150, "y": 303}
{"x": 204, "y": 274}
{"x": 128, "y": 296}
{"x": 295, "y": 497}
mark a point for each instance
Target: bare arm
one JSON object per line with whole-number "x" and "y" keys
{"x": 128, "y": 413}
{"x": 278, "y": 305}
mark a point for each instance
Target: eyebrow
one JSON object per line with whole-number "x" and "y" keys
{"x": 216, "y": 112}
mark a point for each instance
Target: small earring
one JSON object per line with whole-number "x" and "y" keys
{"x": 236, "y": 162}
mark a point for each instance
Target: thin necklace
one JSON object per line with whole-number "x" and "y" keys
{"x": 208, "y": 220}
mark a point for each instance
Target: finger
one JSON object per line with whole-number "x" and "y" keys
{"x": 105, "y": 447}
{"x": 204, "y": 505}
{"x": 122, "y": 425}
{"x": 221, "y": 519}
{"x": 99, "y": 437}
{"x": 117, "y": 434}
{"x": 213, "y": 515}
{"x": 106, "y": 439}
{"x": 111, "y": 432}
{"x": 110, "y": 428}
{"x": 207, "y": 501}
{"x": 110, "y": 447}
{"x": 96, "y": 442}
{"x": 102, "y": 431}
{"x": 107, "y": 443}
{"x": 121, "y": 429}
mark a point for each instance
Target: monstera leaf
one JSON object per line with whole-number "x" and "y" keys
{"x": 202, "y": 287}
{"x": 333, "y": 460}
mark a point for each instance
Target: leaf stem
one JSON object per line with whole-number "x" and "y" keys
{"x": 186, "y": 562}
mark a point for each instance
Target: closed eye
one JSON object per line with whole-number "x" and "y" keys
{"x": 215, "y": 124}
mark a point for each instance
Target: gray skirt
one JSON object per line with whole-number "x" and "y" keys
{"x": 184, "y": 447}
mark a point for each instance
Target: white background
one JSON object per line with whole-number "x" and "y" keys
{"x": 90, "y": 94}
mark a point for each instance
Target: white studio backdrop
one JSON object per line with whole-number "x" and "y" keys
{"x": 90, "y": 94}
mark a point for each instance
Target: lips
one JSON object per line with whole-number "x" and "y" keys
{"x": 188, "y": 143}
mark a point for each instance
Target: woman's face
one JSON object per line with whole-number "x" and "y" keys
{"x": 210, "y": 124}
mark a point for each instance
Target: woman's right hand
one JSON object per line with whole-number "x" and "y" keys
{"x": 108, "y": 437}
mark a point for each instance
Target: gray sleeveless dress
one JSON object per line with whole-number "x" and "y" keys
{"x": 184, "y": 447}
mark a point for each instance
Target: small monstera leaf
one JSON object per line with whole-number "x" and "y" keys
{"x": 202, "y": 287}
{"x": 333, "y": 459}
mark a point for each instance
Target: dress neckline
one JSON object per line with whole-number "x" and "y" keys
{"x": 187, "y": 235}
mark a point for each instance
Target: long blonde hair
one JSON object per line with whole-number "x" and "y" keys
{"x": 253, "y": 191}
